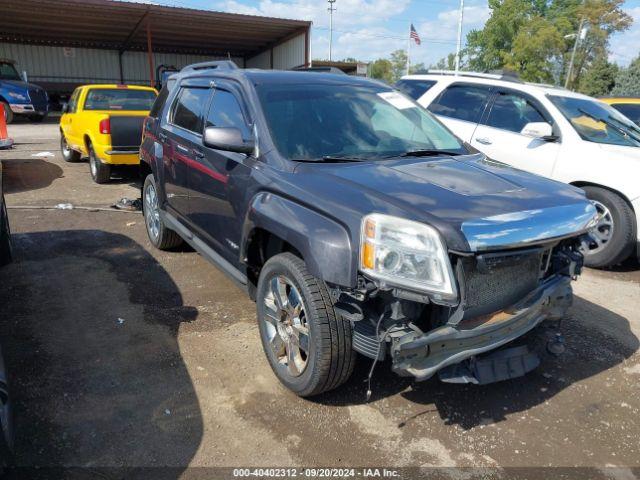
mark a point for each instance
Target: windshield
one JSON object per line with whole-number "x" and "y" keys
{"x": 124, "y": 99}
{"x": 629, "y": 110}
{"x": 9, "y": 72}
{"x": 311, "y": 122}
{"x": 597, "y": 122}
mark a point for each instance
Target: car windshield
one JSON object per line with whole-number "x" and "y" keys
{"x": 119, "y": 99}
{"x": 317, "y": 121}
{"x": 629, "y": 110}
{"x": 597, "y": 122}
{"x": 8, "y": 72}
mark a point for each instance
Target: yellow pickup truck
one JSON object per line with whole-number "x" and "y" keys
{"x": 628, "y": 106}
{"x": 104, "y": 123}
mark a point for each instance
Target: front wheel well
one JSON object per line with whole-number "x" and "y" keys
{"x": 581, "y": 184}
{"x": 261, "y": 245}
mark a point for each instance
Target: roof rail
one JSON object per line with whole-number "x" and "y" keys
{"x": 319, "y": 69}
{"x": 221, "y": 64}
{"x": 505, "y": 75}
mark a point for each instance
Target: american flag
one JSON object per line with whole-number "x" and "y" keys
{"x": 414, "y": 35}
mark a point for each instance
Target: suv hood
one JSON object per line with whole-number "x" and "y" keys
{"x": 476, "y": 203}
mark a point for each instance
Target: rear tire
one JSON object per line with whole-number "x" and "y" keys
{"x": 160, "y": 236}
{"x": 100, "y": 171}
{"x": 618, "y": 244}
{"x": 8, "y": 114}
{"x": 307, "y": 343}
{"x": 68, "y": 154}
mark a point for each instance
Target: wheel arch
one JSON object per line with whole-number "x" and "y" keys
{"x": 275, "y": 224}
{"x": 581, "y": 184}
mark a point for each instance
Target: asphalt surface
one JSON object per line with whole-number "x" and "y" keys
{"x": 122, "y": 355}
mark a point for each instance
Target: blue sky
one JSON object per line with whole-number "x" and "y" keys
{"x": 369, "y": 29}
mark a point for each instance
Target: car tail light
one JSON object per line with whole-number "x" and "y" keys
{"x": 105, "y": 126}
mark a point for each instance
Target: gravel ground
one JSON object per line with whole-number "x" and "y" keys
{"x": 124, "y": 356}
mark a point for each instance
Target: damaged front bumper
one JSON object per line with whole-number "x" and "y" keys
{"x": 422, "y": 355}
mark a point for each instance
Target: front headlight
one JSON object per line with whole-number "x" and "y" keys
{"x": 18, "y": 96}
{"x": 406, "y": 254}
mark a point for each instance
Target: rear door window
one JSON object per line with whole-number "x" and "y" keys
{"x": 188, "y": 107}
{"x": 158, "y": 105}
{"x": 462, "y": 102}
{"x": 414, "y": 88}
{"x": 512, "y": 112}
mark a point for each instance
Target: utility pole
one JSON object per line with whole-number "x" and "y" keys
{"x": 331, "y": 10}
{"x": 582, "y": 33}
{"x": 459, "y": 43}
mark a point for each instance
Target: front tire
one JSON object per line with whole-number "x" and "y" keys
{"x": 614, "y": 235}
{"x": 307, "y": 343}
{"x": 100, "y": 171}
{"x": 160, "y": 236}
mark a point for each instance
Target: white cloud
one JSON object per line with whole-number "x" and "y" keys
{"x": 625, "y": 46}
{"x": 349, "y": 12}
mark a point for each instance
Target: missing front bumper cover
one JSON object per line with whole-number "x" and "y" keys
{"x": 421, "y": 356}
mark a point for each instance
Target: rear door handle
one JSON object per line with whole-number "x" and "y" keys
{"x": 162, "y": 137}
{"x": 484, "y": 141}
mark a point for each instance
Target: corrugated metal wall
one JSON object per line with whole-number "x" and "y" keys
{"x": 290, "y": 54}
{"x": 84, "y": 65}
{"x": 262, "y": 60}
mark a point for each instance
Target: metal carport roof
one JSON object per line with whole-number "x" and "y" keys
{"x": 127, "y": 26}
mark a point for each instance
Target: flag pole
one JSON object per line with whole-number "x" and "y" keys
{"x": 409, "y": 50}
{"x": 459, "y": 43}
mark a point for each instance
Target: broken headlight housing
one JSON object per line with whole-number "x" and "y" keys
{"x": 406, "y": 254}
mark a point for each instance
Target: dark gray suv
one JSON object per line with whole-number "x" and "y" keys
{"x": 358, "y": 223}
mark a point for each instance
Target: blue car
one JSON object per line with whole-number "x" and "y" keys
{"x": 19, "y": 97}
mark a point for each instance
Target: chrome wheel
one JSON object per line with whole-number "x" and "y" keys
{"x": 152, "y": 212}
{"x": 92, "y": 165}
{"x": 602, "y": 232}
{"x": 66, "y": 151}
{"x": 286, "y": 325}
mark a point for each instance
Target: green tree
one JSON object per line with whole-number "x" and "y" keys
{"x": 418, "y": 67}
{"x": 382, "y": 69}
{"x": 530, "y": 37}
{"x": 599, "y": 78}
{"x": 398, "y": 64}
{"x": 627, "y": 81}
{"x": 445, "y": 63}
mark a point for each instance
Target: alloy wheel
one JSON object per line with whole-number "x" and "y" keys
{"x": 152, "y": 212}
{"x": 286, "y": 325}
{"x": 602, "y": 232}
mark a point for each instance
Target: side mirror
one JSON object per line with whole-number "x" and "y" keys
{"x": 540, "y": 130}
{"x": 228, "y": 139}
{"x": 65, "y": 107}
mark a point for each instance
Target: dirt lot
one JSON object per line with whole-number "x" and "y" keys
{"x": 121, "y": 355}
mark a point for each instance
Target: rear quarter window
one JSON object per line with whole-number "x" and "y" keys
{"x": 414, "y": 88}
{"x": 158, "y": 105}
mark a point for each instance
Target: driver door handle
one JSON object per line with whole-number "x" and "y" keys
{"x": 483, "y": 140}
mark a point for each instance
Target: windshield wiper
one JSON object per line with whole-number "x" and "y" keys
{"x": 331, "y": 158}
{"x": 616, "y": 126}
{"x": 427, "y": 153}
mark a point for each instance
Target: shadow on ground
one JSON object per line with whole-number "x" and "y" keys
{"x": 88, "y": 327}
{"x": 25, "y": 175}
{"x": 594, "y": 346}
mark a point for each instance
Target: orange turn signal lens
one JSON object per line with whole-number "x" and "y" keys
{"x": 368, "y": 255}
{"x": 370, "y": 229}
